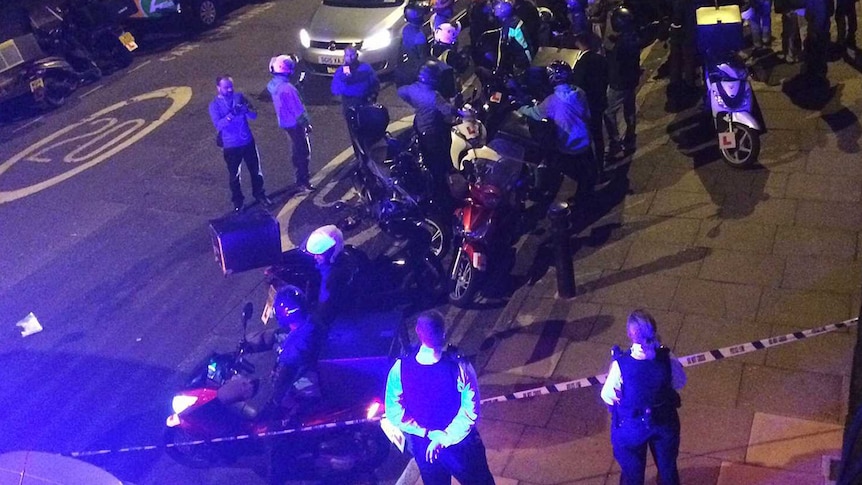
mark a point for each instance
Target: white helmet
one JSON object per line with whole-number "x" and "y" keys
{"x": 447, "y": 34}
{"x": 283, "y": 64}
{"x": 323, "y": 239}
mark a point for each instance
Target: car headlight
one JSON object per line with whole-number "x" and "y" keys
{"x": 377, "y": 41}
{"x": 304, "y": 38}
{"x": 181, "y": 402}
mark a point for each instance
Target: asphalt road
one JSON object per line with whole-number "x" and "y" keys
{"x": 104, "y": 210}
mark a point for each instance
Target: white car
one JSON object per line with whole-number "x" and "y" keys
{"x": 372, "y": 26}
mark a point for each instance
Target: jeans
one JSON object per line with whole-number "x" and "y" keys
{"x": 582, "y": 168}
{"x": 301, "y": 152}
{"x": 846, "y": 22}
{"x": 630, "y": 441}
{"x": 466, "y": 461}
{"x": 761, "y": 23}
{"x": 234, "y": 157}
{"x": 620, "y": 101}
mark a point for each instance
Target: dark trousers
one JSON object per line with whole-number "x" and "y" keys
{"x": 846, "y": 22}
{"x": 597, "y": 133}
{"x": 436, "y": 146}
{"x": 301, "y": 157}
{"x": 582, "y": 168}
{"x": 466, "y": 461}
{"x": 630, "y": 439}
{"x": 234, "y": 157}
{"x": 791, "y": 40}
{"x": 621, "y": 102}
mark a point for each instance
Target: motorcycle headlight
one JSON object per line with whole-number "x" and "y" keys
{"x": 181, "y": 402}
{"x": 379, "y": 40}
{"x": 304, "y": 38}
{"x": 372, "y": 410}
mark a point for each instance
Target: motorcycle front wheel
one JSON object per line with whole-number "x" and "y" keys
{"x": 466, "y": 281}
{"x": 747, "y": 147}
{"x": 441, "y": 236}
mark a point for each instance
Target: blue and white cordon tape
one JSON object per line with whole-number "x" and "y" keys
{"x": 687, "y": 361}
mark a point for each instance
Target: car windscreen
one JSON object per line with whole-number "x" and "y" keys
{"x": 363, "y": 3}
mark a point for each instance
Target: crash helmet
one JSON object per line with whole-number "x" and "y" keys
{"x": 622, "y": 20}
{"x": 429, "y": 74}
{"x": 283, "y": 64}
{"x": 415, "y": 11}
{"x": 440, "y": 5}
{"x": 559, "y": 72}
{"x": 290, "y": 306}
{"x": 503, "y": 9}
{"x": 326, "y": 241}
{"x": 446, "y": 34}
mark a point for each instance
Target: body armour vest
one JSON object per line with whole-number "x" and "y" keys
{"x": 431, "y": 394}
{"x": 647, "y": 383}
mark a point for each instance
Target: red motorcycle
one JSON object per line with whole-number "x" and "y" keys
{"x": 214, "y": 419}
{"x": 487, "y": 223}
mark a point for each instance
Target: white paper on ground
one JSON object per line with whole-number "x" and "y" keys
{"x": 29, "y": 325}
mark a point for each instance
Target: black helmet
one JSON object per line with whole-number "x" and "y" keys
{"x": 415, "y": 11}
{"x": 429, "y": 74}
{"x": 622, "y": 20}
{"x": 289, "y": 306}
{"x": 559, "y": 72}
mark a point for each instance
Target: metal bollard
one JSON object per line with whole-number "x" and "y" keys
{"x": 559, "y": 213}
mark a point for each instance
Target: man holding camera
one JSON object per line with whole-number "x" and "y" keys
{"x": 230, "y": 113}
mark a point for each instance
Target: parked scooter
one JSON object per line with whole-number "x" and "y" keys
{"x": 487, "y": 223}
{"x": 47, "y": 81}
{"x": 735, "y": 113}
{"x": 215, "y": 405}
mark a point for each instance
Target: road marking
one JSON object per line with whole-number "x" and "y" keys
{"x": 29, "y": 123}
{"x": 140, "y": 66}
{"x": 98, "y": 127}
{"x": 100, "y": 86}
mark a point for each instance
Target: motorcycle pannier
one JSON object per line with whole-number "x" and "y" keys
{"x": 246, "y": 241}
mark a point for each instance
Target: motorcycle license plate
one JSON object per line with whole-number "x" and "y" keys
{"x": 128, "y": 40}
{"x": 37, "y": 85}
{"x": 396, "y": 437}
{"x": 724, "y": 128}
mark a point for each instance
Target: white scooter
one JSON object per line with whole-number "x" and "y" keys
{"x": 731, "y": 100}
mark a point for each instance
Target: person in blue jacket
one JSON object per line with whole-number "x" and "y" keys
{"x": 357, "y": 84}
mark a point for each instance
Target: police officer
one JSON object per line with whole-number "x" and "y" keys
{"x": 641, "y": 389}
{"x": 432, "y": 395}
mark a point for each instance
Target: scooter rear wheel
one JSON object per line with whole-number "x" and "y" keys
{"x": 747, "y": 147}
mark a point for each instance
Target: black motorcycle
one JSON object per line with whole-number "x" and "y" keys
{"x": 45, "y": 81}
{"x": 396, "y": 172}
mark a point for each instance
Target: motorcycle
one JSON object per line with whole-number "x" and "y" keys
{"x": 88, "y": 34}
{"x": 408, "y": 272}
{"x": 215, "y": 404}
{"x": 401, "y": 175}
{"x": 487, "y": 223}
{"x": 46, "y": 80}
{"x": 736, "y": 117}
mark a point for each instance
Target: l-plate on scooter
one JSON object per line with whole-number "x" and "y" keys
{"x": 729, "y": 96}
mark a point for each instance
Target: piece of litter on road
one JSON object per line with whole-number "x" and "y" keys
{"x": 29, "y": 325}
{"x": 138, "y": 339}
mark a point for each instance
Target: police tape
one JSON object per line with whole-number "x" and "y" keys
{"x": 225, "y": 439}
{"x": 687, "y": 361}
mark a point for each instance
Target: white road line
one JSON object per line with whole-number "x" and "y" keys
{"x": 27, "y": 124}
{"x": 100, "y": 86}
{"x": 139, "y": 66}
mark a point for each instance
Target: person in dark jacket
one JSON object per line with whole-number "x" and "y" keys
{"x": 432, "y": 396}
{"x": 357, "y": 84}
{"x": 529, "y": 14}
{"x": 230, "y": 112}
{"x": 624, "y": 73}
{"x": 641, "y": 389}
{"x": 414, "y": 43}
{"x": 590, "y": 73}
